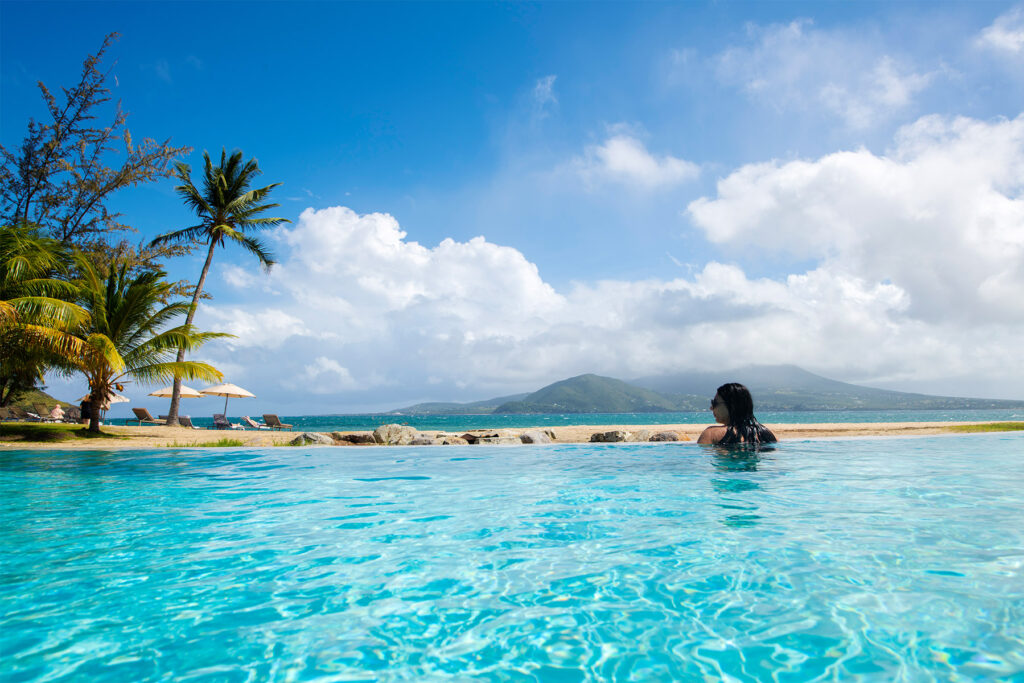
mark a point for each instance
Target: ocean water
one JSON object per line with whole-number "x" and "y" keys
{"x": 454, "y": 423}
{"x": 854, "y": 559}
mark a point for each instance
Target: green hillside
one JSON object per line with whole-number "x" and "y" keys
{"x": 27, "y": 400}
{"x": 590, "y": 394}
{"x": 790, "y": 388}
{"x": 775, "y": 388}
{"x": 447, "y": 408}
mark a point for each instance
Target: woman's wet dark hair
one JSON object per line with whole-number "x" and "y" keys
{"x": 743, "y": 427}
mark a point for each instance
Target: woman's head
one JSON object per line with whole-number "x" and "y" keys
{"x": 737, "y": 402}
{"x": 734, "y": 408}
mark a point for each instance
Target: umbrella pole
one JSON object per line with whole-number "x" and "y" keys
{"x": 226, "y": 407}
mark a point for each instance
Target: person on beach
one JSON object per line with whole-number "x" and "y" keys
{"x": 733, "y": 409}
{"x": 57, "y": 413}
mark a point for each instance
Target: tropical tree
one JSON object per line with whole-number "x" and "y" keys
{"x": 37, "y": 309}
{"x": 228, "y": 211}
{"x": 58, "y": 177}
{"x": 126, "y": 336}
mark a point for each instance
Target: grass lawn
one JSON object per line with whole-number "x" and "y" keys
{"x": 990, "y": 427}
{"x": 41, "y": 432}
{"x": 223, "y": 443}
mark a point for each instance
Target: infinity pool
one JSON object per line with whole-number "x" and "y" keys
{"x": 881, "y": 559}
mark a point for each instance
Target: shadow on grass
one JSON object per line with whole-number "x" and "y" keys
{"x": 34, "y": 432}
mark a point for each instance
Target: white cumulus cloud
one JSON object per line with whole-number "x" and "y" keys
{"x": 1006, "y": 33}
{"x": 624, "y": 159}
{"x": 941, "y": 216}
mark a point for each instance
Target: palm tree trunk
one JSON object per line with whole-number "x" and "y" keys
{"x": 96, "y": 397}
{"x": 172, "y": 413}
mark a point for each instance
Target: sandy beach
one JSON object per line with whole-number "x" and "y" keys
{"x": 148, "y": 437}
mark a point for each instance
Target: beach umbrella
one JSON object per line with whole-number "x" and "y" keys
{"x": 111, "y": 398}
{"x": 227, "y": 391}
{"x": 186, "y": 392}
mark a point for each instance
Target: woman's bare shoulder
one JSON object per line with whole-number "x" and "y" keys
{"x": 712, "y": 434}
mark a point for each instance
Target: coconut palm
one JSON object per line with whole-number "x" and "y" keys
{"x": 36, "y": 308}
{"x": 228, "y": 210}
{"x": 127, "y": 336}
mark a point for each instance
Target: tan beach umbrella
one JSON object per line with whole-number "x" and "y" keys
{"x": 186, "y": 392}
{"x": 227, "y": 391}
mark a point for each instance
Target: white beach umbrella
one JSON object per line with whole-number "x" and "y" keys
{"x": 186, "y": 392}
{"x": 227, "y": 391}
{"x": 112, "y": 398}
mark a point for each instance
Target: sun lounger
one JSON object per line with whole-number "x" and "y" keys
{"x": 274, "y": 422}
{"x": 22, "y": 414}
{"x": 253, "y": 423}
{"x": 221, "y": 422}
{"x": 43, "y": 412}
{"x": 143, "y": 417}
{"x": 183, "y": 421}
{"x": 186, "y": 421}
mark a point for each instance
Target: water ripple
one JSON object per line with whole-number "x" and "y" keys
{"x": 875, "y": 559}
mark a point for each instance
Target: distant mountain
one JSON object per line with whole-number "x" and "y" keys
{"x": 775, "y": 388}
{"x": 476, "y": 408}
{"x": 590, "y": 394}
{"x": 788, "y": 387}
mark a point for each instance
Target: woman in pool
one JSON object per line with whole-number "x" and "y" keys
{"x": 733, "y": 409}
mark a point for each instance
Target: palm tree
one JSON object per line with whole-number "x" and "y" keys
{"x": 37, "y": 309}
{"x": 227, "y": 210}
{"x": 125, "y": 336}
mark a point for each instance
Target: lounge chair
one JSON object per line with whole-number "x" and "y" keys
{"x": 274, "y": 422}
{"x": 43, "y": 412}
{"x": 183, "y": 421}
{"x": 143, "y": 417}
{"x": 253, "y": 423}
{"x": 221, "y": 422}
{"x": 186, "y": 421}
{"x": 22, "y": 414}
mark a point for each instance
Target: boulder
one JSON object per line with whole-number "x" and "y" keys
{"x": 640, "y": 435}
{"x": 535, "y": 436}
{"x": 394, "y": 435}
{"x": 453, "y": 441}
{"x": 470, "y": 437}
{"x": 341, "y": 437}
{"x": 610, "y": 437}
{"x": 665, "y": 436}
{"x": 500, "y": 440}
{"x": 305, "y": 438}
{"x": 422, "y": 441}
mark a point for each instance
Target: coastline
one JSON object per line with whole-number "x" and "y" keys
{"x": 150, "y": 437}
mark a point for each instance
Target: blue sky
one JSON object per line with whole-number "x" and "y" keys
{"x": 489, "y": 197}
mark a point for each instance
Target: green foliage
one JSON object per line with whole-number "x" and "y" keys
{"x": 58, "y": 178}
{"x": 989, "y": 427}
{"x": 37, "y": 310}
{"x": 127, "y": 334}
{"x": 222, "y": 443}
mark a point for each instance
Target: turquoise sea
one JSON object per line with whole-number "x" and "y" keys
{"x": 884, "y": 559}
{"x": 454, "y": 423}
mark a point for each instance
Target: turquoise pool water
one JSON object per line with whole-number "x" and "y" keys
{"x": 881, "y": 559}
